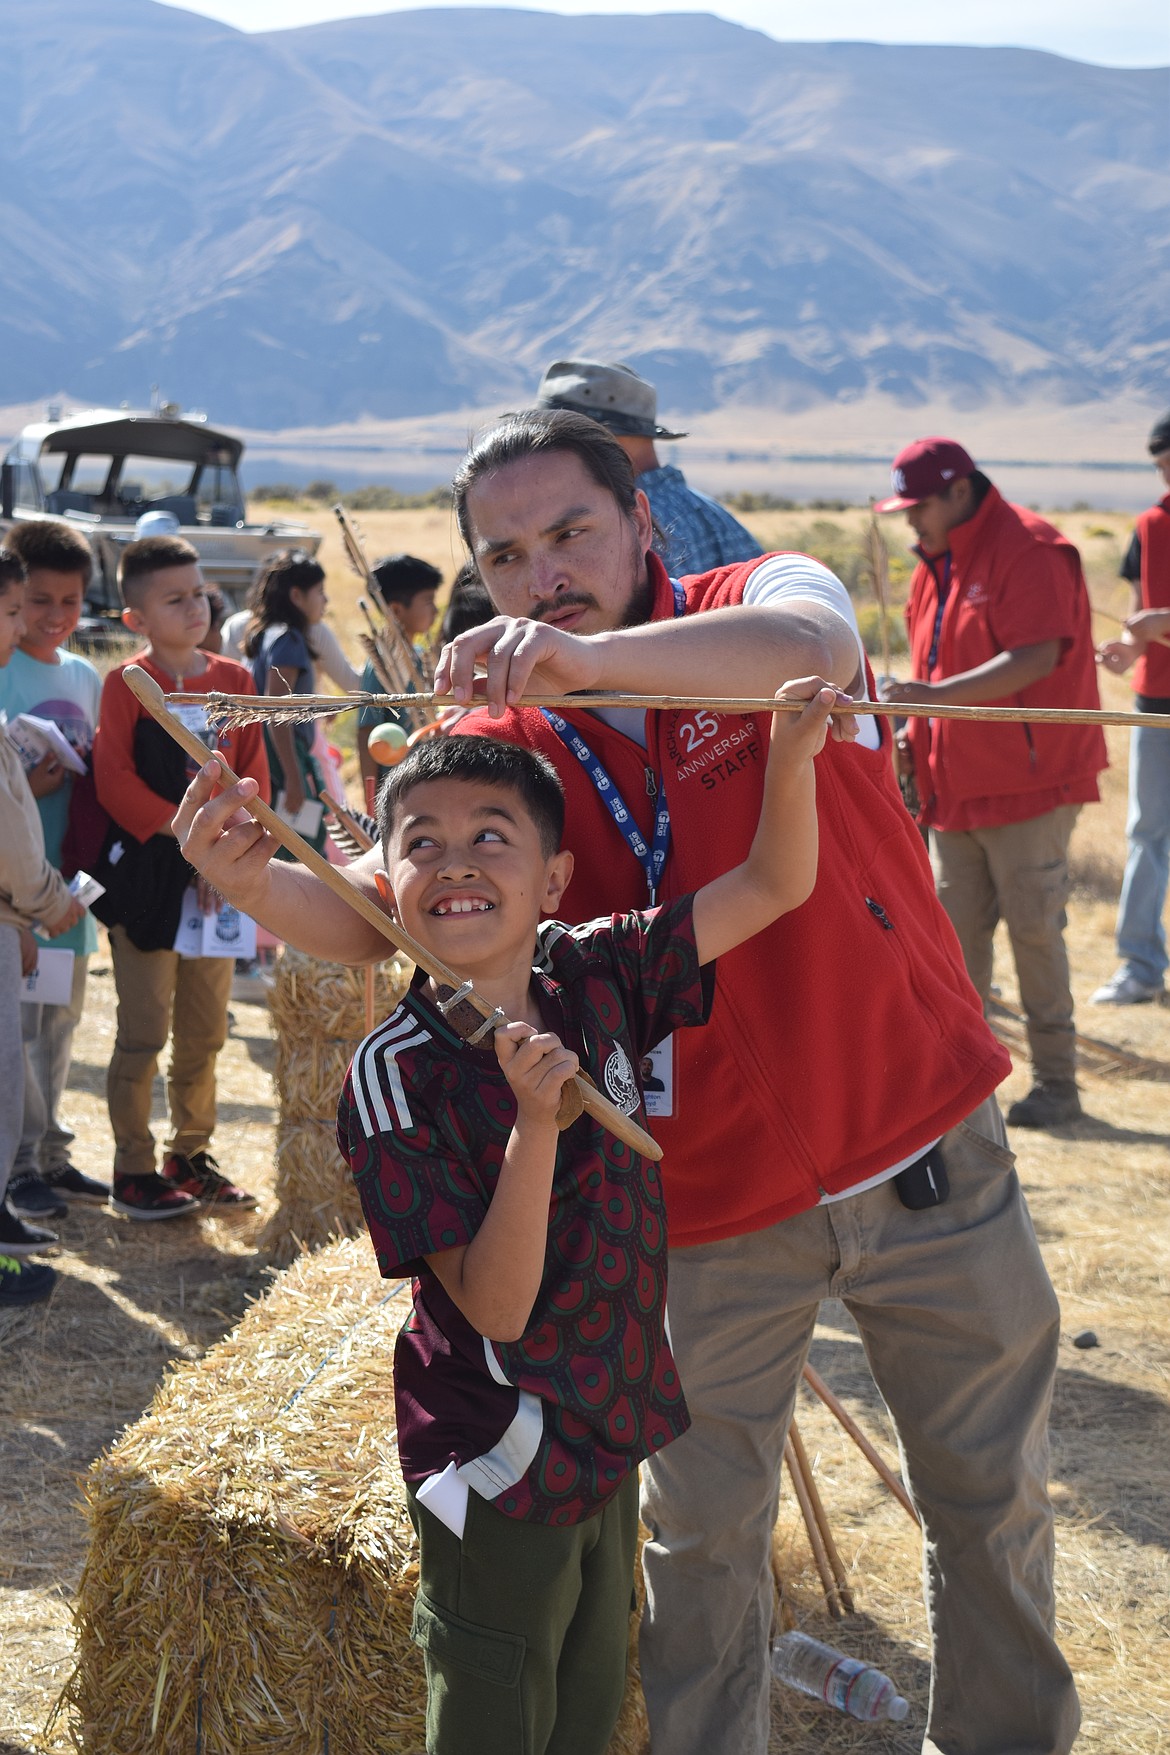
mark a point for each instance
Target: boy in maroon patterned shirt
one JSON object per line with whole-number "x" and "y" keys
{"x": 534, "y": 1373}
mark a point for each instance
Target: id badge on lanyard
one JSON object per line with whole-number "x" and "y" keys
{"x": 658, "y": 1074}
{"x": 651, "y": 858}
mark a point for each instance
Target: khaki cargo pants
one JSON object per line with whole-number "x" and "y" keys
{"x": 161, "y": 994}
{"x": 1017, "y": 873}
{"x": 960, "y": 1326}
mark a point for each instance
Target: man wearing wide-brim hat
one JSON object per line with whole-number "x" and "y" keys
{"x": 998, "y": 614}
{"x": 698, "y": 534}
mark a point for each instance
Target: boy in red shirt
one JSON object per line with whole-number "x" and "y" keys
{"x": 534, "y": 1373}
{"x": 141, "y": 775}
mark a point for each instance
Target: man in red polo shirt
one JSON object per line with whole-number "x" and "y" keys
{"x": 999, "y": 615}
{"x": 846, "y": 1072}
{"x": 1141, "y": 936}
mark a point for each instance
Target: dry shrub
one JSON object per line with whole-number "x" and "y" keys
{"x": 319, "y": 1016}
{"x": 252, "y": 1567}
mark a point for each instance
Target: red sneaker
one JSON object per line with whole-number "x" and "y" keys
{"x": 150, "y": 1197}
{"x": 200, "y": 1177}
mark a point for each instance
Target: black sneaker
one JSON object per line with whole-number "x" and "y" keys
{"x": 201, "y": 1177}
{"x": 19, "y": 1238}
{"x": 75, "y": 1185}
{"x": 25, "y": 1282}
{"x": 149, "y": 1197}
{"x": 30, "y": 1197}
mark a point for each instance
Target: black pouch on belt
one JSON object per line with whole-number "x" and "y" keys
{"x": 923, "y": 1183}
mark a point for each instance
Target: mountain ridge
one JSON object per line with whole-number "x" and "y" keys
{"x": 412, "y": 212}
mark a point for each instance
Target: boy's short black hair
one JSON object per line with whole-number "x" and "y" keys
{"x": 52, "y": 544}
{"x": 529, "y": 775}
{"x": 399, "y": 578}
{"x": 150, "y": 555}
{"x": 11, "y": 570}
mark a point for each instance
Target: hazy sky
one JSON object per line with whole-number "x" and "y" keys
{"x": 1126, "y": 33}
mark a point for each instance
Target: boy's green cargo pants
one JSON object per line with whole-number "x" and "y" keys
{"x": 524, "y": 1628}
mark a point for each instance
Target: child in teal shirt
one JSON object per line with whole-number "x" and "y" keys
{"x": 45, "y": 680}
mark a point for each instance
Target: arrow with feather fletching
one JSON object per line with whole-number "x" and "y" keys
{"x": 228, "y": 711}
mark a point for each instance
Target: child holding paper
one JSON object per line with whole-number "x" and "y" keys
{"x": 45, "y": 680}
{"x": 30, "y": 891}
{"x": 141, "y": 775}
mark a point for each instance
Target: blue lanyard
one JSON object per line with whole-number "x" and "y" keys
{"x": 652, "y": 859}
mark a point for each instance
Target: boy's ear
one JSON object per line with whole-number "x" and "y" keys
{"x": 132, "y": 619}
{"x": 382, "y": 882}
{"x": 557, "y": 874}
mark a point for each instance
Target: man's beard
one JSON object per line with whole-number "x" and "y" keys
{"x": 641, "y": 605}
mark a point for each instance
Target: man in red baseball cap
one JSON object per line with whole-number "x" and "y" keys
{"x": 998, "y": 614}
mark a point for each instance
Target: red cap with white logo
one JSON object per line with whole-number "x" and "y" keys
{"x": 926, "y": 467}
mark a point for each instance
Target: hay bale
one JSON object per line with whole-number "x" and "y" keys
{"x": 252, "y": 1567}
{"x": 318, "y": 1012}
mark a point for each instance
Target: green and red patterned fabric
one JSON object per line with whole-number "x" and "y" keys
{"x": 549, "y": 1426}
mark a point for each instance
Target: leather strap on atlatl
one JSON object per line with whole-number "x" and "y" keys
{"x": 477, "y": 1031}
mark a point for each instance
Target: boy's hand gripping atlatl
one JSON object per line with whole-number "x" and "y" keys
{"x": 580, "y": 1093}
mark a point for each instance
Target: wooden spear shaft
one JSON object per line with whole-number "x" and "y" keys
{"x": 879, "y": 567}
{"x": 245, "y": 707}
{"x": 390, "y": 668}
{"x": 795, "y": 1453}
{"x": 143, "y": 686}
{"x": 804, "y": 1489}
{"x": 398, "y": 648}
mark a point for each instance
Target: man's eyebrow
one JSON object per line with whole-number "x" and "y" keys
{"x": 497, "y": 545}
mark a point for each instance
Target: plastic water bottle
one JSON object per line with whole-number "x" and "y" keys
{"x": 844, "y": 1682}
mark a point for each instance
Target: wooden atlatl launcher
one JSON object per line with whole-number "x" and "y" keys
{"x": 579, "y": 1093}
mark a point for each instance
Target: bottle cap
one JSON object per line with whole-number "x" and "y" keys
{"x": 898, "y": 1708}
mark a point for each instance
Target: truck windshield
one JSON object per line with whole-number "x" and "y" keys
{"x": 143, "y": 481}
{"x": 218, "y": 497}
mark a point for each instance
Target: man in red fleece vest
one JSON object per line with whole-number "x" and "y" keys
{"x": 846, "y": 1073}
{"x": 1141, "y": 936}
{"x": 999, "y": 615}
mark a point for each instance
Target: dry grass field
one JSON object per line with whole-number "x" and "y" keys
{"x": 132, "y": 1302}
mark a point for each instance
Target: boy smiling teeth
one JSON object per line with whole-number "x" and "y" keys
{"x": 463, "y": 905}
